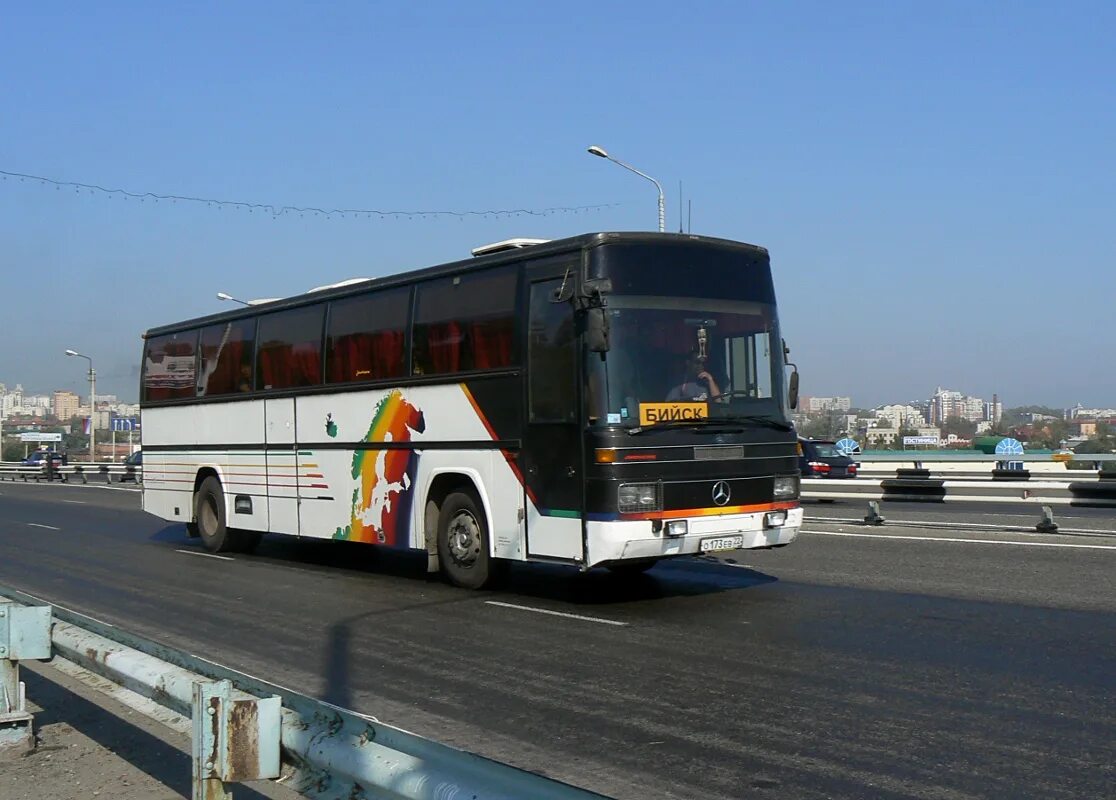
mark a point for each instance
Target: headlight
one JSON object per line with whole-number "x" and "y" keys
{"x": 786, "y": 488}
{"x": 632, "y": 498}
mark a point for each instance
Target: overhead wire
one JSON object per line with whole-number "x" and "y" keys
{"x": 276, "y": 210}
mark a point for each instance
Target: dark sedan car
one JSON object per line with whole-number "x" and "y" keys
{"x": 821, "y": 459}
{"x": 40, "y": 457}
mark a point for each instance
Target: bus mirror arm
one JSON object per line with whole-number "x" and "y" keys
{"x": 792, "y": 389}
{"x": 596, "y": 329}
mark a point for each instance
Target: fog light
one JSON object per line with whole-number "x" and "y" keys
{"x": 677, "y": 527}
{"x": 774, "y": 519}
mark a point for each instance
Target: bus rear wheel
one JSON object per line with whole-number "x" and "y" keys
{"x": 463, "y": 549}
{"x": 210, "y": 522}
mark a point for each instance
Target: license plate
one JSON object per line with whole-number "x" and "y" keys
{"x": 722, "y": 543}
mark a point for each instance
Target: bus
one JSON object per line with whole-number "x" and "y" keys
{"x": 609, "y": 399}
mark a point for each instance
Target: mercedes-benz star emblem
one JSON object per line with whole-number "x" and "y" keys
{"x": 721, "y": 492}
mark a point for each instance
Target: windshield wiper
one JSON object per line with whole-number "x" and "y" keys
{"x": 700, "y": 422}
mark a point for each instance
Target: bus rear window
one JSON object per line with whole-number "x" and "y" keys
{"x": 169, "y": 367}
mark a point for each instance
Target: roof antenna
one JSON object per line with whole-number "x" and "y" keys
{"x": 680, "y": 228}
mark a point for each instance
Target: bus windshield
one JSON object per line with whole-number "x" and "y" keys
{"x": 694, "y": 337}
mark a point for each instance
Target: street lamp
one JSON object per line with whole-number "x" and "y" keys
{"x": 92, "y": 405}
{"x": 223, "y": 296}
{"x": 600, "y": 152}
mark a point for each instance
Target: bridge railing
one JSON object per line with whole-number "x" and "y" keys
{"x": 80, "y": 471}
{"x": 1097, "y": 493}
{"x": 246, "y": 729}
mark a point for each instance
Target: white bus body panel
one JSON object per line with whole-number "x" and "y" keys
{"x": 169, "y": 475}
{"x": 327, "y": 488}
{"x": 282, "y": 474}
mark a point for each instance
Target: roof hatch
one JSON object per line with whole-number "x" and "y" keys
{"x": 507, "y": 244}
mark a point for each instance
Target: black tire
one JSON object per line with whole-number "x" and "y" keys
{"x": 463, "y": 542}
{"x": 211, "y": 525}
{"x": 631, "y": 568}
{"x": 192, "y": 530}
{"x": 209, "y": 516}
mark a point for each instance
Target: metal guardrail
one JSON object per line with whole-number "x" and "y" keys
{"x": 1099, "y": 493}
{"x": 83, "y": 471}
{"x": 247, "y": 729}
{"x": 929, "y": 456}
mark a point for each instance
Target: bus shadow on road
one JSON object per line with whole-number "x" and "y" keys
{"x": 682, "y": 577}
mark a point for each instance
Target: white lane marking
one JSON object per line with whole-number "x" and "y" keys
{"x": 555, "y": 613}
{"x": 207, "y": 555}
{"x": 48, "y": 527}
{"x": 75, "y": 502}
{"x": 963, "y": 541}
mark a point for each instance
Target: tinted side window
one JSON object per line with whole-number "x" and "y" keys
{"x": 367, "y": 336}
{"x": 169, "y": 366}
{"x": 465, "y": 322}
{"x": 551, "y": 355}
{"x": 226, "y": 358}
{"x": 290, "y": 348}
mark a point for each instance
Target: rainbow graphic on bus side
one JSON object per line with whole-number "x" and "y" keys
{"x": 382, "y": 499}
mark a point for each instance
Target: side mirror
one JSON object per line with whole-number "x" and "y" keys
{"x": 596, "y": 329}
{"x": 792, "y": 389}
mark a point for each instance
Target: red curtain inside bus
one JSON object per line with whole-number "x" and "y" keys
{"x": 366, "y": 357}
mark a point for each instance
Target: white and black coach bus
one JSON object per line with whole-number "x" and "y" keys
{"x": 609, "y": 399}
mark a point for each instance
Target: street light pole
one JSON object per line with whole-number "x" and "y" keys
{"x": 92, "y": 405}
{"x": 224, "y": 296}
{"x": 600, "y": 152}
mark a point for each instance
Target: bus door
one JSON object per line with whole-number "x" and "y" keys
{"x": 551, "y": 456}
{"x": 282, "y": 465}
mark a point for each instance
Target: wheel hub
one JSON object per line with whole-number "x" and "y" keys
{"x": 464, "y": 539}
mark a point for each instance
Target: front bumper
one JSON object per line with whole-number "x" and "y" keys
{"x": 619, "y": 540}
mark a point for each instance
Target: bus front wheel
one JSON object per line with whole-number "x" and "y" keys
{"x": 463, "y": 550}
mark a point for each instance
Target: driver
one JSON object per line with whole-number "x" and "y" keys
{"x": 698, "y": 385}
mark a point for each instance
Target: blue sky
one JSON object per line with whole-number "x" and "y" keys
{"x": 934, "y": 182}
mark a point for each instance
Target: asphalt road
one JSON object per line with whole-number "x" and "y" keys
{"x": 858, "y": 663}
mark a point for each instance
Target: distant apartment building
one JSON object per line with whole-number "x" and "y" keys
{"x": 1079, "y": 412}
{"x": 900, "y": 416}
{"x": 817, "y": 405}
{"x": 947, "y": 403}
{"x": 16, "y": 403}
{"x": 66, "y": 405}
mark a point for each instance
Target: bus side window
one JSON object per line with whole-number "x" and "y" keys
{"x": 226, "y": 358}
{"x": 465, "y": 322}
{"x": 367, "y": 336}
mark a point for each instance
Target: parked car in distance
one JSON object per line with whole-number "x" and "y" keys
{"x": 40, "y": 457}
{"x": 135, "y": 459}
{"x": 821, "y": 459}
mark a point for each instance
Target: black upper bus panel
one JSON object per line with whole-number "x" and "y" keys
{"x": 552, "y": 247}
